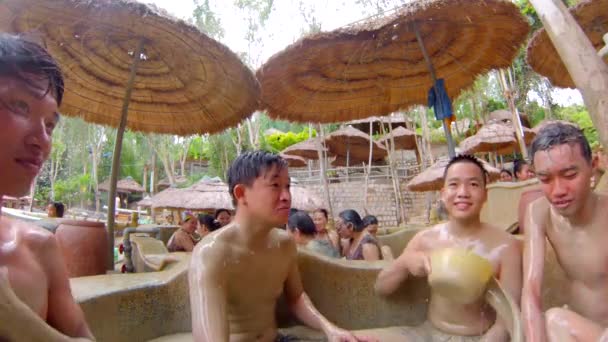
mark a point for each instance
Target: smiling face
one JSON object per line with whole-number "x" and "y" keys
{"x": 191, "y": 225}
{"x": 223, "y": 218}
{"x": 565, "y": 177}
{"x": 268, "y": 199}
{"x": 464, "y": 191}
{"x": 28, "y": 113}
{"x": 319, "y": 220}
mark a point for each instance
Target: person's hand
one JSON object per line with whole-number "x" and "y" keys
{"x": 419, "y": 264}
{"x": 336, "y": 334}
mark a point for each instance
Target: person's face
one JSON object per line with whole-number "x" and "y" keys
{"x": 190, "y": 225}
{"x": 28, "y": 117}
{"x": 344, "y": 229}
{"x": 319, "y": 220}
{"x": 223, "y": 218}
{"x": 268, "y": 199}
{"x": 372, "y": 229}
{"x": 464, "y": 191}
{"x": 505, "y": 177}
{"x": 202, "y": 229}
{"x": 565, "y": 177}
{"x": 51, "y": 211}
{"x": 525, "y": 173}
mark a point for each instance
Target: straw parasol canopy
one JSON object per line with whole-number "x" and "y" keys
{"x": 592, "y": 16}
{"x": 179, "y": 180}
{"x": 431, "y": 179}
{"x": 351, "y": 142}
{"x": 377, "y": 123}
{"x": 307, "y": 149}
{"x": 202, "y": 196}
{"x": 404, "y": 139}
{"x": 126, "y": 186}
{"x": 186, "y": 82}
{"x": 536, "y": 129}
{"x": 294, "y": 161}
{"x": 377, "y": 67}
{"x": 492, "y": 137}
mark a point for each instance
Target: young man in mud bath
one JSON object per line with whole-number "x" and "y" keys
{"x": 574, "y": 219}
{"x": 464, "y": 193}
{"x": 35, "y": 299}
{"x": 237, "y": 273}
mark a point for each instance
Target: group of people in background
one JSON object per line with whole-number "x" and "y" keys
{"x": 193, "y": 228}
{"x": 521, "y": 172}
{"x": 353, "y": 239}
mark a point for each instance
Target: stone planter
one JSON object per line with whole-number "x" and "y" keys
{"x": 84, "y": 246}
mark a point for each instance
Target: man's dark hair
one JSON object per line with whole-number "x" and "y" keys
{"x": 293, "y": 211}
{"x": 369, "y": 220}
{"x": 323, "y": 211}
{"x": 506, "y": 171}
{"x": 302, "y": 221}
{"x": 352, "y": 217}
{"x": 59, "y": 208}
{"x": 209, "y": 222}
{"x": 558, "y": 133}
{"x": 518, "y": 164}
{"x": 219, "y": 211}
{"x": 22, "y": 59}
{"x": 250, "y": 165}
{"x": 466, "y": 158}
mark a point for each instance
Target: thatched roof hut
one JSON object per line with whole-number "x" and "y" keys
{"x": 126, "y": 186}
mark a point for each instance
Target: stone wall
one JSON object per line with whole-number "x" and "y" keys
{"x": 380, "y": 200}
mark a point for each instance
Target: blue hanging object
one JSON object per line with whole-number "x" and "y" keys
{"x": 442, "y": 106}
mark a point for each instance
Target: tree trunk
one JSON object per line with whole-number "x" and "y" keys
{"x": 588, "y": 71}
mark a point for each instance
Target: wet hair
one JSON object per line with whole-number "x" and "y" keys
{"x": 518, "y": 164}
{"x": 558, "y": 133}
{"x": 506, "y": 171}
{"x": 466, "y": 158}
{"x": 22, "y": 59}
{"x": 248, "y": 166}
{"x": 292, "y": 211}
{"x": 209, "y": 222}
{"x": 352, "y": 217}
{"x": 219, "y": 211}
{"x": 59, "y": 208}
{"x": 322, "y": 211}
{"x": 301, "y": 220}
{"x": 369, "y": 220}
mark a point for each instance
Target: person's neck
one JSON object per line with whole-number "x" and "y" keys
{"x": 253, "y": 234}
{"x": 586, "y": 213}
{"x": 304, "y": 240}
{"x": 464, "y": 228}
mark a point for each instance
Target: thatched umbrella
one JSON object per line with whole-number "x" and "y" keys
{"x": 350, "y": 142}
{"x": 307, "y": 149}
{"x": 404, "y": 139}
{"x": 122, "y": 57}
{"x": 592, "y": 16}
{"x": 126, "y": 186}
{"x": 294, "y": 161}
{"x": 178, "y": 180}
{"x": 202, "y": 196}
{"x": 380, "y": 66}
{"x": 377, "y": 122}
{"x": 431, "y": 179}
{"x": 493, "y": 137}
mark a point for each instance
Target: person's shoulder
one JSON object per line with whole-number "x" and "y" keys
{"x": 282, "y": 237}
{"x": 32, "y": 234}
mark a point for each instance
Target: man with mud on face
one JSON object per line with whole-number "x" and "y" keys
{"x": 237, "y": 273}
{"x": 573, "y": 218}
{"x": 463, "y": 194}
{"x": 36, "y": 303}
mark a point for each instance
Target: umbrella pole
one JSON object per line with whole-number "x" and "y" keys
{"x": 117, "y": 151}
{"x": 429, "y": 63}
{"x": 347, "y": 159}
{"x": 589, "y": 73}
{"x": 369, "y": 167}
{"x": 514, "y": 114}
{"x": 323, "y": 167}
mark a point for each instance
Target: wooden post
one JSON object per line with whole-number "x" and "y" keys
{"x": 323, "y": 169}
{"x": 117, "y": 151}
{"x": 517, "y": 127}
{"x": 369, "y": 167}
{"x": 429, "y": 63}
{"x": 588, "y": 71}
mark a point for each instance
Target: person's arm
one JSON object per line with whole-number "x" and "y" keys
{"x": 412, "y": 261}
{"x": 370, "y": 252}
{"x": 533, "y": 264}
{"x": 510, "y": 278}
{"x": 304, "y": 310}
{"x": 208, "y": 297}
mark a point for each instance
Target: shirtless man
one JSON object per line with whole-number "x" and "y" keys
{"x": 574, "y": 219}
{"x": 35, "y": 299}
{"x": 237, "y": 273}
{"x": 464, "y": 193}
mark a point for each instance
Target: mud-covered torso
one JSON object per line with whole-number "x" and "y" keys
{"x": 582, "y": 254}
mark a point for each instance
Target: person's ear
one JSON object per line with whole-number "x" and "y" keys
{"x": 239, "y": 193}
